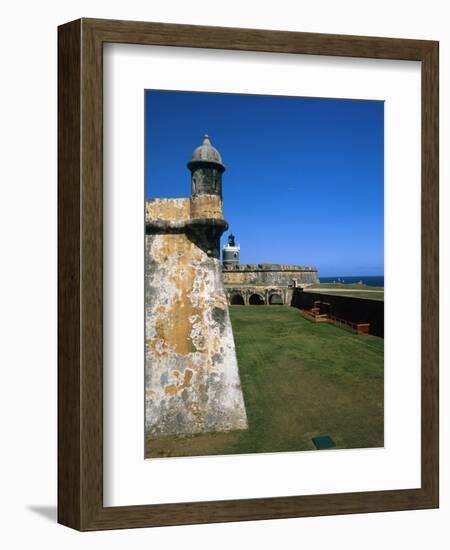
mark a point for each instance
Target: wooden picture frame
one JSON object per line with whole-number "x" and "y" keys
{"x": 80, "y": 270}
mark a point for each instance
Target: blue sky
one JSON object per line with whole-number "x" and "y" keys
{"x": 304, "y": 179}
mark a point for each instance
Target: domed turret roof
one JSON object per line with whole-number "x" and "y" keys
{"x": 206, "y": 153}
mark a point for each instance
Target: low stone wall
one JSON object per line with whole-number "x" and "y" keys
{"x": 269, "y": 274}
{"x": 355, "y": 310}
{"x": 250, "y": 295}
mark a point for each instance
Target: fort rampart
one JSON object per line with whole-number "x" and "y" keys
{"x": 192, "y": 378}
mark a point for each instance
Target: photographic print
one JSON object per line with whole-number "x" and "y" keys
{"x": 264, "y": 274}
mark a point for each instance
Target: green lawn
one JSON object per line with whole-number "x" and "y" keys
{"x": 300, "y": 379}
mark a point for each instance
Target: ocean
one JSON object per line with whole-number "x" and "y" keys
{"x": 372, "y": 280}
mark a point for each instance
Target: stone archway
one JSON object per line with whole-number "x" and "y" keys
{"x": 275, "y": 300}
{"x": 256, "y": 300}
{"x": 236, "y": 299}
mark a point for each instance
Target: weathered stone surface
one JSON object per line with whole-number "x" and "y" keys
{"x": 269, "y": 274}
{"x": 172, "y": 210}
{"x": 206, "y": 206}
{"x": 192, "y": 378}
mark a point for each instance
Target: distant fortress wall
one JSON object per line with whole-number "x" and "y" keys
{"x": 269, "y": 274}
{"x": 269, "y": 284}
{"x": 192, "y": 378}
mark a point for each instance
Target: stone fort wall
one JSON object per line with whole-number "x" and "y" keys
{"x": 192, "y": 380}
{"x": 269, "y": 274}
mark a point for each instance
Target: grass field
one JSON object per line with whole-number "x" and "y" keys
{"x": 300, "y": 379}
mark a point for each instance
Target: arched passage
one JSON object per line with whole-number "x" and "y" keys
{"x": 256, "y": 300}
{"x": 275, "y": 300}
{"x": 237, "y": 299}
